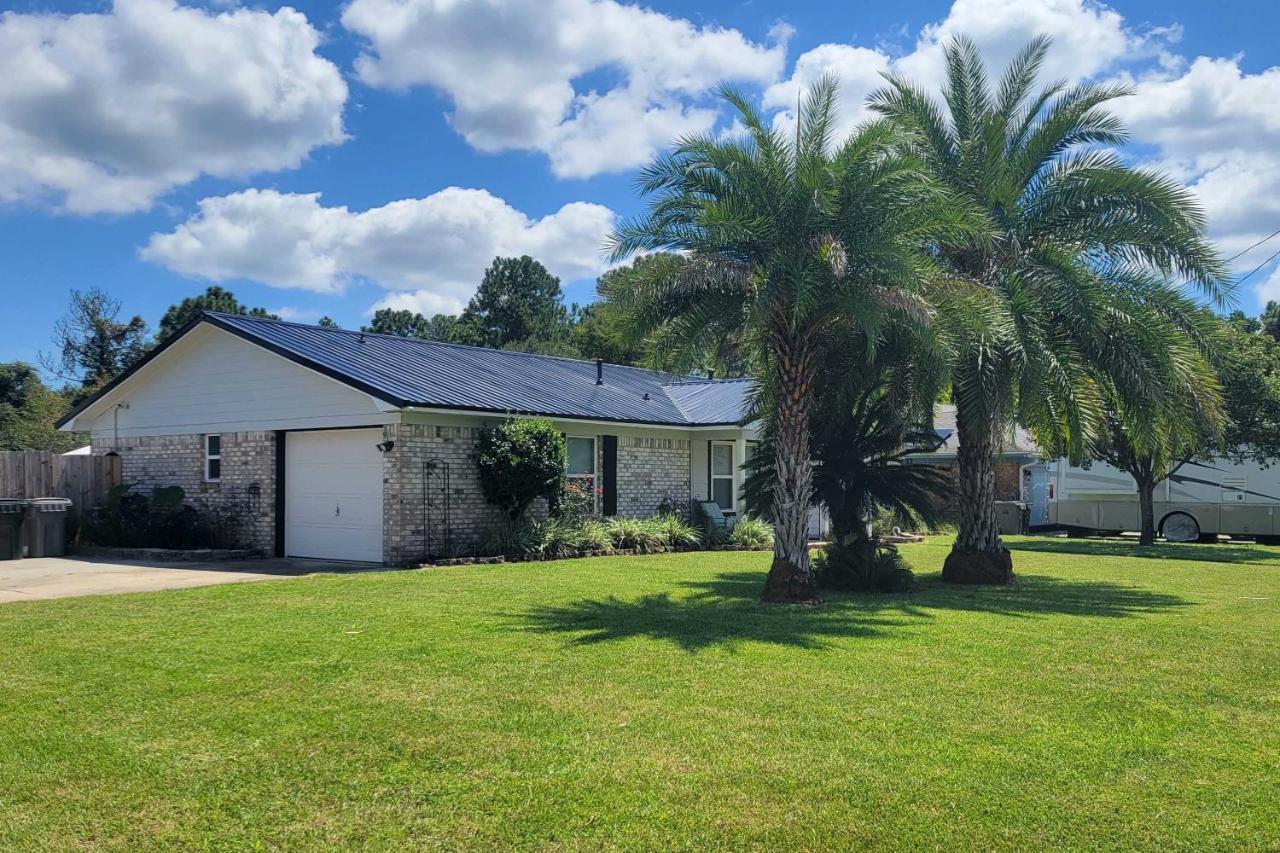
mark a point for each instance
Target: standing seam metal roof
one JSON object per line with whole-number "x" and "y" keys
{"x": 411, "y": 372}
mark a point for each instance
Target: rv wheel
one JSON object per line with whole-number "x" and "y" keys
{"x": 1180, "y": 527}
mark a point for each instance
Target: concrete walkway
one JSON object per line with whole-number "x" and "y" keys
{"x": 65, "y": 577}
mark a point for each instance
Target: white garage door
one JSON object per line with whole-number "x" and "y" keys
{"x": 333, "y": 495}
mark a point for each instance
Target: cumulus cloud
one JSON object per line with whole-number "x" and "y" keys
{"x": 104, "y": 112}
{"x": 1216, "y": 127}
{"x": 434, "y": 249}
{"x": 1088, "y": 38}
{"x": 595, "y": 85}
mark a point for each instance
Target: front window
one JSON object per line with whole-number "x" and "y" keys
{"x": 213, "y": 458}
{"x": 722, "y": 474}
{"x": 582, "y": 458}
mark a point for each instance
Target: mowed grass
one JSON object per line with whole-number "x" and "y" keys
{"x": 1111, "y": 701}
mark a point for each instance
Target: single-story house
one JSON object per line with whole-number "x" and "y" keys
{"x": 346, "y": 445}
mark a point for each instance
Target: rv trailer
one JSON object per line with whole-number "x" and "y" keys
{"x": 1197, "y": 502}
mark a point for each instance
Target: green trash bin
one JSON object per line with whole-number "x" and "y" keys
{"x": 46, "y": 532}
{"x": 12, "y": 511}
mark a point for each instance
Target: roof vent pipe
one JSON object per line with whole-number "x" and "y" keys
{"x": 599, "y": 371}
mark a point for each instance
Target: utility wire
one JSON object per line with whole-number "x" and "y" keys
{"x": 1254, "y": 246}
{"x": 1258, "y": 267}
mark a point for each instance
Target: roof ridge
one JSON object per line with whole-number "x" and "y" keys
{"x": 591, "y": 362}
{"x": 725, "y": 380}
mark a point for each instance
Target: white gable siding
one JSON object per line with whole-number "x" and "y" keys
{"x": 212, "y": 381}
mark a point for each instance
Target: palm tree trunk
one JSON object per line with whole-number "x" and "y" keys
{"x": 791, "y": 575}
{"x": 978, "y": 555}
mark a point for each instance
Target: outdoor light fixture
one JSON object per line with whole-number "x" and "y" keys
{"x": 386, "y": 446}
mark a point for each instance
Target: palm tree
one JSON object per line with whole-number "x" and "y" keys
{"x": 1079, "y": 235}
{"x": 869, "y": 418}
{"x": 784, "y": 239}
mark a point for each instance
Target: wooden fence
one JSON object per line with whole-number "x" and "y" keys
{"x": 85, "y": 480}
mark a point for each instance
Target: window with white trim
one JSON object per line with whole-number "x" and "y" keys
{"x": 212, "y": 458}
{"x": 722, "y": 487}
{"x": 582, "y": 458}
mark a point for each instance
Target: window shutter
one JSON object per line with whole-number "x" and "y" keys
{"x": 609, "y": 475}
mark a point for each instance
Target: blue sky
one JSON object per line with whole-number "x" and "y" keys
{"x": 151, "y": 148}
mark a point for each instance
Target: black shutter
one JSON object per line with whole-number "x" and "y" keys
{"x": 610, "y": 475}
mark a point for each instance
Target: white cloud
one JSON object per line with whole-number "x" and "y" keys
{"x": 1269, "y": 288}
{"x": 434, "y": 249}
{"x": 1217, "y": 129}
{"x": 296, "y": 315}
{"x": 424, "y": 302}
{"x": 515, "y": 72}
{"x": 104, "y": 112}
{"x": 1088, "y": 38}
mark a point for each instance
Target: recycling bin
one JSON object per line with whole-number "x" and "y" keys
{"x": 46, "y": 528}
{"x": 12, "y": 512}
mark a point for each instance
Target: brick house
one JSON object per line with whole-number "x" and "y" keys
{"x": 343, "y": 445}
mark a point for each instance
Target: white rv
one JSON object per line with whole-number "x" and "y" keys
{"x": 1198, "y": 501}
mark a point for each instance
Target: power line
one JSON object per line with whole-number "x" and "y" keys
{"x": 1254, "y": 246}
{"x": 1258, "y": 267}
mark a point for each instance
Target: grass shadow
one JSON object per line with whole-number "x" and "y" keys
{"x": 725, "y": 611}
{"x": 1196, "y": 552}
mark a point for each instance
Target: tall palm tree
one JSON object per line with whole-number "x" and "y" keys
{"x": 1079, "y": 235}
{"x": 868, "y": 418}
{"x": 784, "y": 238}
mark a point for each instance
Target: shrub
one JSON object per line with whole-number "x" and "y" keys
{"x": 752, "y": 532}
{"x": 514, "y": 540}
{"x": 863, "y": 567}
{"x": 593, "y": 535}
{"x": 577, "y": 500}
{"x": 521, "y": 461}
{"x": 681, "y": 508}
{"x": 676, "y": 531}
{"x": 634, "y": 534}
{"x": 162, "y": 519}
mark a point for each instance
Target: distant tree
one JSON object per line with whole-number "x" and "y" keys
{"x": 518, "y": 300}
{"x": 1269, "y": 322}
{"x": 215, "y": 298}
{"x": 93, "y": 345}
{"x": 666, "y": 347}
{"x": 595, "y": 335}
{"x": 29, "y": 410}
{"x": 410, "y": 324}
{"x": 327, "y": 322}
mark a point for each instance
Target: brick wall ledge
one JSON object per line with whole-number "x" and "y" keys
{"x": 174, "y": 555}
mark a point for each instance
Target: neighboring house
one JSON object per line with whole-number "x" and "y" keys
{"x": 1019, "y": 465}
{"x": 1017, "y": 450}
{"x": 344, "y": 445}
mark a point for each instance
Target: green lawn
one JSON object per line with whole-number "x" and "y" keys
{"x": 1110, "y": 701}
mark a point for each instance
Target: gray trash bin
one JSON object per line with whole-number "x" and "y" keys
{"x": 46, "y": 533}
{"x": 1012, "y": 517}
{"x": 12, "y": 511}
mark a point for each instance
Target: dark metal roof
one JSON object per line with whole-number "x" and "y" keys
{"x": 410, "y": 372}
{"x": 714, "y": 401}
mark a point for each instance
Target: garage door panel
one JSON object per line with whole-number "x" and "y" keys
{"x": 333, "y": 495}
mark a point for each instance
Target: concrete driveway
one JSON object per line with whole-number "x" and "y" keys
{"x": 65, "y": 577}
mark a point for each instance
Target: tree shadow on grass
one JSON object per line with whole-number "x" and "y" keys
{"x": 725, "y": 611}
{"x": 1200, "y": 553}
